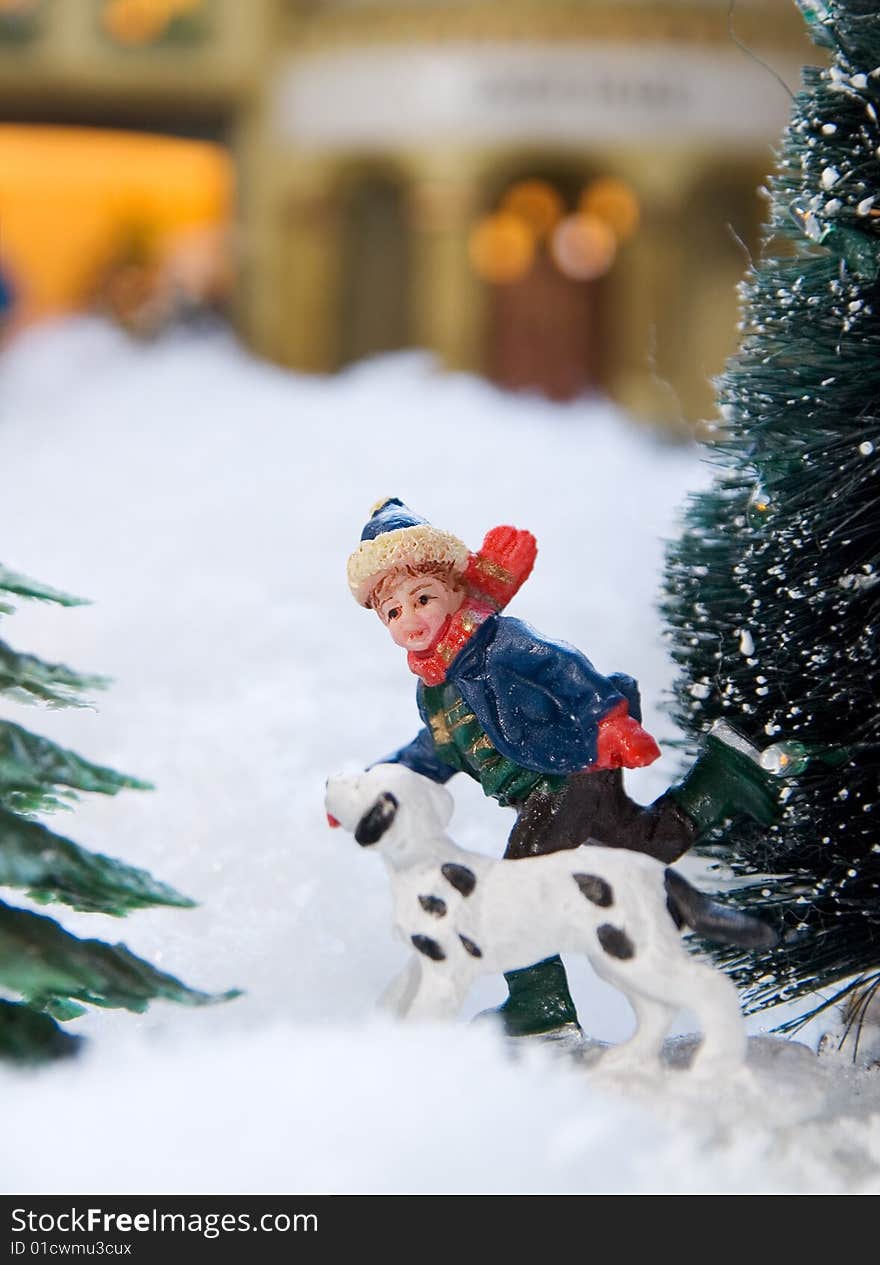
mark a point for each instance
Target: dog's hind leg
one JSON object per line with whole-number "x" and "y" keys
{"x": 653, "y": 1020}
{"x": 658, "y": 994}
{"x": 714, "y": 1000}
{"x": 687, "y": 984}
{"x": 398, "y": 996}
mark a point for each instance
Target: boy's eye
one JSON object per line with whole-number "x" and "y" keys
{"x": 392, "y": 614}
{"x": 425, "y": 598}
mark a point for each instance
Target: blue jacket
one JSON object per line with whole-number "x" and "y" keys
{"x": 539, "y": 702}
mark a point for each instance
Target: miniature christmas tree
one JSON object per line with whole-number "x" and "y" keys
{"x": 772, "y": 594}
{"x": 46, "y": 973}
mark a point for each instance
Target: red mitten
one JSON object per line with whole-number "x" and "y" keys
{"x": 502, "y": 565}
{"x": 622, "y": 742}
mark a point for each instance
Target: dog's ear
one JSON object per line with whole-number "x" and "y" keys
{"x": 376, "y": 820}
{"x": 443, "y": 803}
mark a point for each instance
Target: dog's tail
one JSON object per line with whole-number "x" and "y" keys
{"x": 708, "y": 918}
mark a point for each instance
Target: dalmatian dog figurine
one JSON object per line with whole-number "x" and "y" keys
{"x": 465, "y": 914}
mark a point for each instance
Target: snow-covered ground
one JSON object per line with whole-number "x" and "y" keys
{"x": 207, "y": 503}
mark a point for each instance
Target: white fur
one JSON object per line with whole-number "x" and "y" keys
{"x": 523, "y": 911}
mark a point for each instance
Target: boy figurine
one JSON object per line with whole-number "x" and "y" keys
{"x": 531, "y": 720}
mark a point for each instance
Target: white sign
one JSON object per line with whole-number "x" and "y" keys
{"x": 545, "y": 93}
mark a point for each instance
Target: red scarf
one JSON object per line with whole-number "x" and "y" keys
{"x": 430, "y": 665}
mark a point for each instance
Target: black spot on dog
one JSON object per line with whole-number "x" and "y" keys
{"x": 595, "y": 889}
{"x": 376, "y": 821}
{"x": 461, "y": 878}
{"x": 615, "y": 942}
{"x": 433, "y": 905}
{"x": 429, "y": 947}
{"x": 473, "y": 949}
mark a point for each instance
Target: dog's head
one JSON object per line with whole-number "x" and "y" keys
{"x": 388, "y": 804}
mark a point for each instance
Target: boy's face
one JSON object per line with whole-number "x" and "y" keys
{"x": 415, "y": 608}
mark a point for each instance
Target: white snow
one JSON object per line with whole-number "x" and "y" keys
{"x": 207, "y": 503}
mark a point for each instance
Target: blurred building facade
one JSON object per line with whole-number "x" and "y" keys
{"x": 561, "y": 194}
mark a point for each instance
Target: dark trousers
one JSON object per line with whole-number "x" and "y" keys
{"x": 595, "y": 808}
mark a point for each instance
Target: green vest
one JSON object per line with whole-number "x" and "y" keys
{"x": 461, "y": 743}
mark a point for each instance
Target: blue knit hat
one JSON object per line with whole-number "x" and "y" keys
{"x": 396, "y": 537}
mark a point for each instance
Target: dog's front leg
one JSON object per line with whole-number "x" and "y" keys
{"x": 441, "y": 990}
{"x": 398, "y": 996}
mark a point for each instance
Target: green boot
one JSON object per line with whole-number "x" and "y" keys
{"x": 730, "y": 778}
{"x": 539, "y": 1000}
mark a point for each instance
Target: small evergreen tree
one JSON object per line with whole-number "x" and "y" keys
{"x": 772, "y": 595}
{"x": 46, "y": 974}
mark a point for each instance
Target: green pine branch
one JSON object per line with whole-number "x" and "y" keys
{"x": 30, "y": 1036}
{"x": 52, "y": 973}
{"x": 24, "y": 586}
{"x": 26, "y": 678}
{"x": 33, "y": 767}
{"x": 47, "y": 967}
{"x": 52, "y": 868}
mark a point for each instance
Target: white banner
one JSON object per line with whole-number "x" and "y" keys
{"x": 545, "y": 93}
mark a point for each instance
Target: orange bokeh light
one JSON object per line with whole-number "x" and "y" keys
{"x": 536, "y": 202}
{"x": 583, "y": 246}
{"x": 614, "y": 202}
{"x": 501, "y": 248}
{"x": 136, "y": 21}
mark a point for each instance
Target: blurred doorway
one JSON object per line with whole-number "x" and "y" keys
{"x": 545, "y": 251}
{"x": 545, "y": 333}
{"x": 375, "y": 260}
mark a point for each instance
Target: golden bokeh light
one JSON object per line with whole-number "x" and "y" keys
{"x": 135, "y": 21}
{"x": 614, "y": 202}
{"x": 536, "y": 202}
{"x": 501, "y": 248}
{"x": 583, "y": 246}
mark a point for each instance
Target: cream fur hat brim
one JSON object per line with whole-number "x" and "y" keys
{"x": 396, "y": 537}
